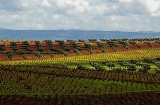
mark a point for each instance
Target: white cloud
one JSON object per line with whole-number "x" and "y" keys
{"x": 46, "y": 3}
{"x": 153, "y": 6}
{"x": 126, "y": 15}
{"x": 126, "y": 1}
{"x": 60, "y": 3}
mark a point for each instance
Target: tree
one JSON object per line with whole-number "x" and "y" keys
{"x": 157, "y": 71}
{"x": 146, "y": 67}
{"x": 52, "y": 55}
{"x": 132, "y": 42}
{"x": 76, "y": 51}
{"x": 92, "y": 40}
{"x": 71, "y": 41}
{"x": 149, "y": 44}
{"x": 23, "y": 54}
{"x": 89, "y": 48}
{"x": 138, "y": 46}
{"x": 102, "y": 48}
{"x": 81, "y": 67}
{"x": 158, "y": 65}
{"x": 158, "y": 59}
{"x": 28, "y": 49}
{"x": 114, "y": 48}
{"x": 148, "y": 60}
{"x": 131, "y": 68}
{"x": 109, "y": 64}
{"x": 65, "y": 48}
{"x": 81, "y": 40}
{"x": 15, "y": 48}
{"x": 38, "y": 54}
{"x": 27, "y": 46}
{"x": 10, "y": 55}
{"x": 133, "y": 61}
{"x": 64, "y": 66}
{"x": 142, "y": 70}
{"x": 39, "y": 48}
{"x": 2, "y": 48}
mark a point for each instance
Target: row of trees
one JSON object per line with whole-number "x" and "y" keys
{"x": 112, "y": 42}
{"x": 14, "y": 46}
{"x": 96, "y": 66}
{"x": 27, "y": 46}
{"x": 2, "y": 48}
{"x": 77, "y": 49}
{"x": 39, "y": 47}
{"x": 63, "y": 70}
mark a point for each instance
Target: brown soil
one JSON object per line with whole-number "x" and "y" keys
{"x": 96, "y": 49}
{"x": 125, "y": 99}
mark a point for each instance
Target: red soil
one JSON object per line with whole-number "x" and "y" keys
{"x": 44, "y": 45}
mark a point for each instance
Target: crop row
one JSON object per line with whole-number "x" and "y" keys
{"x": 126, "y": 55}
{"x": 146, "y": 98}
{"x": 115, "y": 75}
{"x": 33, "y": 84}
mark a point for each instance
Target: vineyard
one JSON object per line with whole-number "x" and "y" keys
{"x": 104, "y": 72}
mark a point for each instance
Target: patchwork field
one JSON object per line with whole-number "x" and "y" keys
{"x": 105, "y": 72}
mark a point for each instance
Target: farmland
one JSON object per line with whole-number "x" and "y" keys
{"x": 114, "y": 72}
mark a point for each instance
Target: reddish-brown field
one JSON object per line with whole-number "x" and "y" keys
{"x": 44, "y": 45}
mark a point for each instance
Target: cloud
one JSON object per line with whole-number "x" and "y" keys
{"x": 152, "y": 6}
{"x": 125, "y": 15}
{"x": 45, "y": 3}
{"x": 126, "y": 1}
{"x": 10, "y": 5}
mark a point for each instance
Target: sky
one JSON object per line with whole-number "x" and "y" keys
{"x": 106, "y": 15}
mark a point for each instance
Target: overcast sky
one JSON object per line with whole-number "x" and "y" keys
{"x": 123, "y": 15}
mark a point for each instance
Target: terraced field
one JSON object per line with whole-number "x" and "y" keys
{"x": 105, "y": 72}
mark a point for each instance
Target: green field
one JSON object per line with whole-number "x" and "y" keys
{"x": 83, "y": 77}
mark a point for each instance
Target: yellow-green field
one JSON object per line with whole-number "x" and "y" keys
{"x": 124, "y": 55}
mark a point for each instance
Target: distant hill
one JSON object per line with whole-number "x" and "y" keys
{"x": 7, "y": 34}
